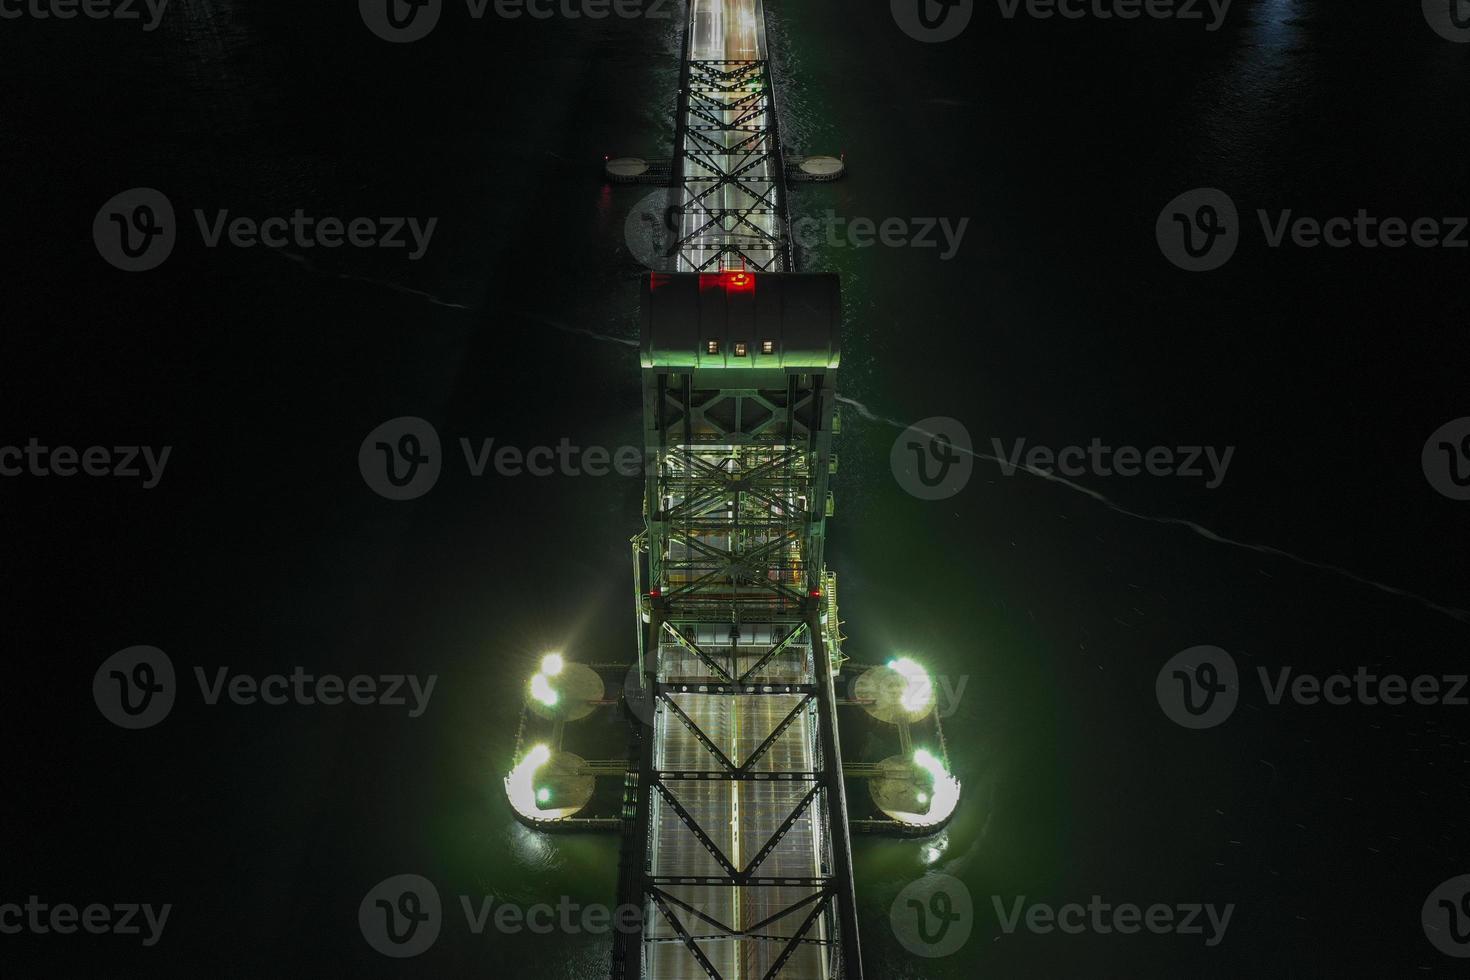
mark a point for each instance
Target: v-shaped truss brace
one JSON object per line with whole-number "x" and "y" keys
{"x": 818, "y": 900}
{"x": 730, "y": 168}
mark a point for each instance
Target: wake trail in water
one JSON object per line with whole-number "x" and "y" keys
{"x": 581, "y": 331}
{"x": 1460, "y": 615}
{"x": 310, "y": 266}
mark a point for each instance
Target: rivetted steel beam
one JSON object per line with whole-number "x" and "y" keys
{"x": 852, "y": 957}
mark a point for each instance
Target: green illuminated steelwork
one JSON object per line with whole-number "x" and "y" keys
{"x": 744, "y": 811}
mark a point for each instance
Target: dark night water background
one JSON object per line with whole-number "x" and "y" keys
{"x": 1058, "y": 322}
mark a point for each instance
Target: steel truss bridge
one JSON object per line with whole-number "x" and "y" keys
{"x": 738, "y": 847}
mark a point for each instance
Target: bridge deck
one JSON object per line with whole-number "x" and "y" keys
{"x": 730, "y": 156}
{"x": 740, "y": 817}
{"x": 746, "y": 868}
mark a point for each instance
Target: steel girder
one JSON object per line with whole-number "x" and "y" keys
{"x": 729, "y": 168}
{"x": 741, "y": 810}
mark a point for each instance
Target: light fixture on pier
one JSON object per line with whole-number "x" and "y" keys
{"x": 542, "y": 691}
{"x": 918, "y": 686}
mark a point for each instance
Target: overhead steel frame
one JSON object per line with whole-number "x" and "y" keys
{"x": 747, "y": 869}
{"x": 729, "y": 170}
{"x": 740, "y": 828}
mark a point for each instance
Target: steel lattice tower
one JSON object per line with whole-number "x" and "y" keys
{"x": 740, "y": 858}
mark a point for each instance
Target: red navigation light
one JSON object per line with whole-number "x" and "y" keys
{"x": 730, "y": 280}
{"x": 655, "y": 593}
{"x": 816, "y": 593}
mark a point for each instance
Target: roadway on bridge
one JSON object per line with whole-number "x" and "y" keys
{"x": 726, "y": 30}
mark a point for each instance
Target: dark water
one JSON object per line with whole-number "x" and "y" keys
{"x": 1058, "y": 322}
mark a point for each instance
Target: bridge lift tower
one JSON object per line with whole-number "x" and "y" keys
{"x": 738, "y": 850}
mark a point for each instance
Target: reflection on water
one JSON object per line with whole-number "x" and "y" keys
{"x": 1246, "y": 109}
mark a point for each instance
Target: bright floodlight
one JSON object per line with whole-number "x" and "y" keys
{"x": 543, "y": 795}
{"x": 551, "y": 664}
{"x": 942, "y": 797}
{"x": 918, "y": 689}
{"x": 519, "y": 784}
{"x": 542, "y": 691}
{"x": 924, "y": 759}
